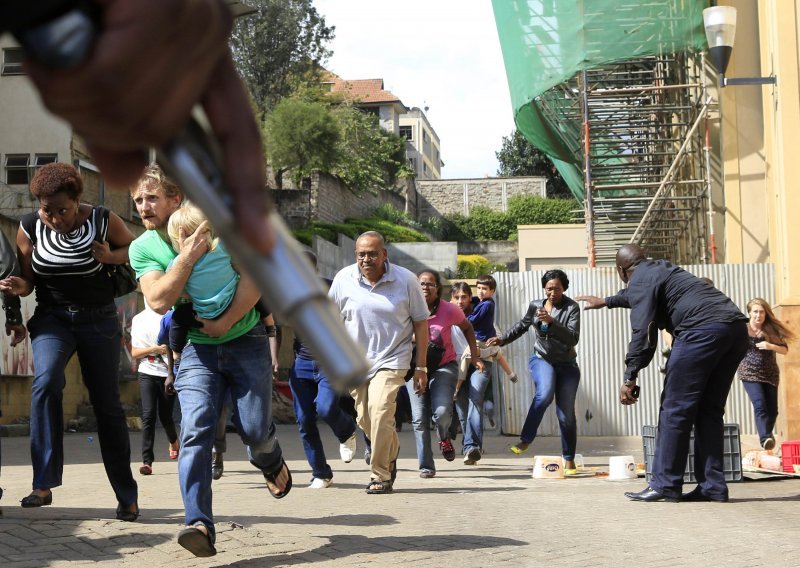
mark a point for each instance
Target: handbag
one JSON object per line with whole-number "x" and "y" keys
{"x": 433, "y": 361}
{"x": 123, "y": 278}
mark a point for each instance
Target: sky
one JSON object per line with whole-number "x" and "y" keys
{"x": 443, "y": 54}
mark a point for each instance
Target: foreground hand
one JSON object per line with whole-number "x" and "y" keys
{"x": 762, "y": 345}
{"x": 626, "y": 395}
{"x": 492, "y": 341}
{"x": 19, "y": 332}
{"x": 592, "y": 302}
{"x": 195, "y": 245}
{"x": 480, "y": 365}
{"x": 152, "y": 62}
{"x": 169, "y": 384}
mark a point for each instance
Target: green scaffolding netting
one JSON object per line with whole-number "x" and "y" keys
{"x": 547, "y": 42}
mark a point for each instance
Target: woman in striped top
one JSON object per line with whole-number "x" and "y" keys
{"x": 62, "y": 248}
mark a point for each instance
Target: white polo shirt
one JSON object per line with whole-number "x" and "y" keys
{"x": 144, "y": 332}
{"x": 380, "y": 318}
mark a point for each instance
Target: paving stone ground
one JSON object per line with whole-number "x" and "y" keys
{"x": 492, "y": 514}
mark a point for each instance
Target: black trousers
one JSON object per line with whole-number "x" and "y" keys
{"x": 155, "y": 402}
{"x": 699, "y": 376}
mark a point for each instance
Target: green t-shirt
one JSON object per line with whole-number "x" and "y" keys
{"x": 150, "y": 252}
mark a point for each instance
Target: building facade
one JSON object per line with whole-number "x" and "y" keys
{"x": 422, "y": 145}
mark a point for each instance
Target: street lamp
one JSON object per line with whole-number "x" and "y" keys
{"x": 720, "y": 24}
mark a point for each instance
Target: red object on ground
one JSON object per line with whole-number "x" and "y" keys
{"x": 283, "y": 388}
{"x": 790, "y": 455}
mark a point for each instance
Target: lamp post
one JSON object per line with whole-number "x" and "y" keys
{"x": 720, "y": 25}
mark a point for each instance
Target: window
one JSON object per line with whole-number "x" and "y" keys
{"x": 425, "y": 167}
{"x": 12, "y": 60}
{"x": 424, "y": 136}
{"x": 17, "y": 169}
{"x": 39, "y": 160}
{"x": 406, "y": 132}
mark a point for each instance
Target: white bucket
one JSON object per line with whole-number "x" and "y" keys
{"x": 621, "y": 467}
{"x": 548, "y": 467}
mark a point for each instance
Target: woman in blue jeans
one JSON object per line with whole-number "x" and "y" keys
{"x": 556, "y": 321}
{"x": 436, "y": 402}
{"x": 759, "y": 371}
{"x": 62, "y": 248}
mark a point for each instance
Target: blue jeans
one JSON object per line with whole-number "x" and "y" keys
{"x": 764, "y": 397}
{"x": 469, "y": 405}
{"x": 313, "y": 396}
{"x": 435, "y": 402}
{"x": 700, "y": 371}
{"x": 244, "y": 366}
{"x": 57, "y": 333}
{"x": 559, "y": 381}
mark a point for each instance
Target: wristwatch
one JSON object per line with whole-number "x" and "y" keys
{"x": 423, "y": 369}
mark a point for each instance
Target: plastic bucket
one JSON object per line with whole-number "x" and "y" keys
{"x": 621, "y": 468}
{"x": 548, "y": 467}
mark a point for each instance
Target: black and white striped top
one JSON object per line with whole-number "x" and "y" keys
{"x": 65, "y": 272}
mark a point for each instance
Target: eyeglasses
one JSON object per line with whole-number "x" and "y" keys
{"x": 428, "y": 284}
{"x": 370, "y": 254}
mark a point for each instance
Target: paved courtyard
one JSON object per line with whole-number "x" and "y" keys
{"x": 493, "y": 514}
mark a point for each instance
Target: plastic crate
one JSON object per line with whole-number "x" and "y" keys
{"x": 790, "y": 455}
{"x": 732, "y": 453}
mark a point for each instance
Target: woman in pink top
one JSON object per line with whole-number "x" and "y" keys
{"x": 437, "y": 401}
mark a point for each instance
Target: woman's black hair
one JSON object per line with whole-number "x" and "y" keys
{"x": 553, "y": 274}
{"x": 460, "y": 287}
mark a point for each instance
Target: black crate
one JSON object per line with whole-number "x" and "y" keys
{"x": 732, "y": 456}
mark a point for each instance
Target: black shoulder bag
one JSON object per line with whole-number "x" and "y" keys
{"x": 123, "y": 278}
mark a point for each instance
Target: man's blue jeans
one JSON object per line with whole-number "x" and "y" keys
{"x": 313, "y": 396}
{"x": 764, "y": 397}
{"x": 469, "y": 405}
{"x": 559, "y": 381}
{"x": 57, "y": 333}
{"x": 244, "y": 366}
{"x": 437, "y": 403}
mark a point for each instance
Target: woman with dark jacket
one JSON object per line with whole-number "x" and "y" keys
{"x": 556, "y": 321}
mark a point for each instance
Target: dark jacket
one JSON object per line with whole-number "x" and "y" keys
{"x": 664, "y": 296}
{"x": 557, "y": 344}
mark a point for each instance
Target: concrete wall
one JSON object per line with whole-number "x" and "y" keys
{"x": 445, "y": 197}
{"x": 552, "y": 246}
{"x": 330, "y": 201}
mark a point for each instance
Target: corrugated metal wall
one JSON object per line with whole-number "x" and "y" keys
{"x": 601, "y": 351}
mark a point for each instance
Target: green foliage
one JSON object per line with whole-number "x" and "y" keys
{"x": 473, "y": 265}
{"x": 369, "y": 157}
{"x": 535, "y": 210}
{"x": 483, "y": 224}
{"x": 279, "y": 47}
{"x": 392, "y": 232}
{"x": 519, "y": 158}
{"x": 301, "y": 136}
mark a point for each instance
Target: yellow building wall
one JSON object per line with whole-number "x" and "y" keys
{"x": 551, "y": 246}
{"x": 779, "y": 22}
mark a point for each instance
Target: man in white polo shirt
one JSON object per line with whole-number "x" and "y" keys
{"x": 383, "y": 307}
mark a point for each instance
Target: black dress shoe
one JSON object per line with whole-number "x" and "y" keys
{"x": 649, "y": 495}
{"x": 34, "y": 500}
{"x": 695, "y": 495}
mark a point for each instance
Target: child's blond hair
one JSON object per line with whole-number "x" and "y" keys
{"x": 188, "y": 217}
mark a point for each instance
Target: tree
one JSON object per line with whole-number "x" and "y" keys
{"x": 282, "y": 44}
{"x": 301, "y": 136}
{"x": 369, "y": 157}
{"x": 518, "y": 157}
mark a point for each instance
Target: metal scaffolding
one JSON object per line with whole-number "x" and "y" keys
{"x": 639, "y": 129}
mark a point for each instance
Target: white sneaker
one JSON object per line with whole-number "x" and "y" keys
{"x": 348, "y": 450}
{"x": 317, "y": 483}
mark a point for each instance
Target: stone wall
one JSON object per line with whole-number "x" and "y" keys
{"x": 330, "y": 201}
{"x": 445, "y": 197}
